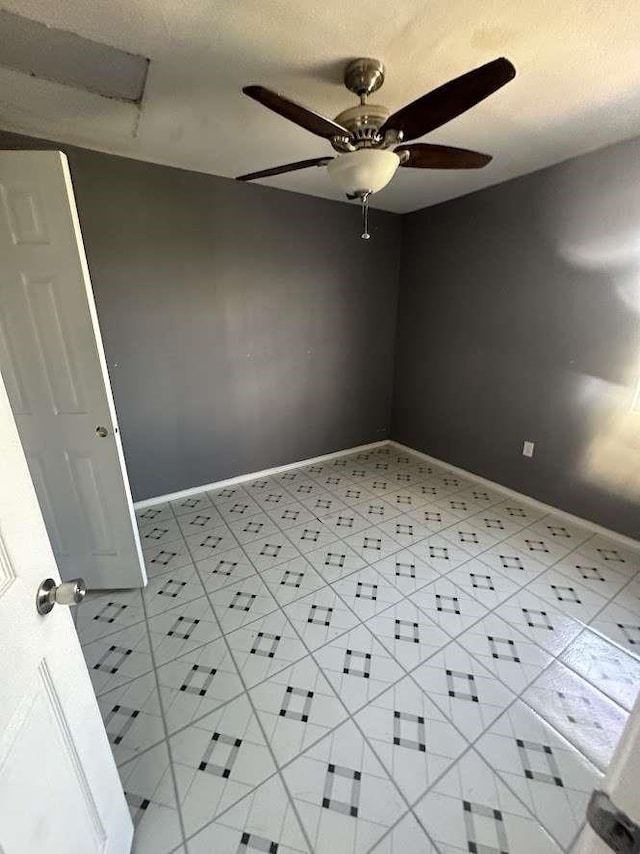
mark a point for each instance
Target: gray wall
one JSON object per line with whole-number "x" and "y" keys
{"x": 519, "y": 319}
{"x": 250, "y": 327}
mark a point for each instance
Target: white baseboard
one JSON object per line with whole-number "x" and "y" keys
{"x": 242, "y": 478}
{"x": 519, "y": 496}
{"x": 508, "y": 493}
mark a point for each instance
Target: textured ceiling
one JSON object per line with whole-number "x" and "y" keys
{"x": 578, "y": 83}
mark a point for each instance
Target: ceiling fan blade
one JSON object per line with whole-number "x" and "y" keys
{"x": 425, "y": 156}
{"x": 296, "y": 113}
{"x": 288, "y": 167}
{"x": 450, "y": 100}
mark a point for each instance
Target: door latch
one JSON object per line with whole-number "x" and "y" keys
{"x": 613, "y": 826}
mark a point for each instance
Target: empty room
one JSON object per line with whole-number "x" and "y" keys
{"x": 319, "y": 427}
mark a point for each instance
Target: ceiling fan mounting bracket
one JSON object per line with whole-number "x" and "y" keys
{"x": 364, "y": 76}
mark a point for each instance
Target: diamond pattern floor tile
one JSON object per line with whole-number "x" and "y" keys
{"x": 608, "y": 553}
{"x": 448, "y": 606}
{"x": 586, "y": 718}
{"x": 182, "y": 629}
{"x": 240, "y": 507}
{"x": 335, "y": 561}
{"x": 218, "y": 761}
{"x": 158, "y": 532}
{"x": 227, "y": 495}
{"x": 190, "y": 504}
{"x": 197, "y": 683}
{"x": 172, "y": 589}
{"x": 409, "y": 635}
{"x": 372, "y": 653}
{"x": 270, "y": 551}
{"x": 405, "y": 571}
{"x": 155, "y": 513}
{"x": 441, "y": 554}
{"x": 263, "y": 821}
{"x": 413, "y": 739}
{"x": 197, "y": 521}
{"x": 296, "y": 707}
{"x": 471, "y": 809}
{"x": 512, "y": 562}
{"x": 546, "y": 773}
{"x": 573, "y": 598}
{"x": 292, "y": 580}
{"x": 320, "y": 617}
{"x": 373, "y": 544}
{"x": 549, "y": 627}
{"x": 606, "y": 666}
{"x": 366, "y": 592}
{"x": 358, "y": 667}
{"x": 433, "y": 518}
{"x": 490, "y": 588}
{"x": 406, "y": 835}
{"x": 290, "y": 515}
{"x": 150, "y": 794}
{"x": 226, "y": 568}
{"x": 210, "y": 541}
{"x": 118, "y": 658}
{"x": 464, "y": 690}
{"x": 254, "y": 528}
{"x": 159, "y": 559}
{"x": 242, "y": 603}
{"x": 132, "y": 717}
{"x": 620, "y": 623}
{"x": 509, "y": 655}
{"x": 105, "y": 614}
{"x": 265, "y": 647}
{"x": 311, "y": 535}
{"x": 405, "y": 530}
{"x": 473, "y": 538}
{"x": 344, "y": 797}
{"x": 604, "y": 580}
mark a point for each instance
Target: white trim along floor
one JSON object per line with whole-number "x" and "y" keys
{"x": 372, "y": 652}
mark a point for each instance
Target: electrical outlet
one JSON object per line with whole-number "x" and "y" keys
{"x": 528, "y": 448}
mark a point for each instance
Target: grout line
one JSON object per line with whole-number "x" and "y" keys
{"x": 570, "y": 848}
{"x": 362, "y": 622}
{"x": 262, "y": 731}
{"x": 512, "y": 494}
{"x": 166, "y": 733}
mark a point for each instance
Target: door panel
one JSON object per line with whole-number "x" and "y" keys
{"x": 53, "y": 362}
{"x": 24, "y": 214}
{"x": 53, "y": 349}
{"x": 40, "y": 728}
{"x": 59, "y": 788}
{"x": 90, "y": 492}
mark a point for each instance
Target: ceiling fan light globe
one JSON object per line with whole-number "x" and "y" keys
{"x": 365, "y": 171}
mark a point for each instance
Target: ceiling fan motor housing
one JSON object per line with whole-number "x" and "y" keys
{"x": 363, "y": 121}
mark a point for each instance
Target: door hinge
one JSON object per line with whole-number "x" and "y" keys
{"x": 613, "y": 826}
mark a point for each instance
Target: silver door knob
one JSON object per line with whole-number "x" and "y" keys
{"x": 102, "y": 432}
{"x": 67, "y": 593}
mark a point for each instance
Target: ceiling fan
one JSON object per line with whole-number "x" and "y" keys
{"x": 364, "y": 135}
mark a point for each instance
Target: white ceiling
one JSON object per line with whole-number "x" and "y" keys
{"x": 578, "y": 83}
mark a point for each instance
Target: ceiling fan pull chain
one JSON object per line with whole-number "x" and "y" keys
{"x": 365, "y": 216}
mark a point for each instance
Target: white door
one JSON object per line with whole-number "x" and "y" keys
{"x": 59, "y": 787}
{"x": 54, "y": 368}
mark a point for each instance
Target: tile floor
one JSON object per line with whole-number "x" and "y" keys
{"x": 367, "y": 654}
